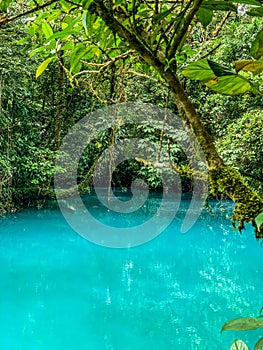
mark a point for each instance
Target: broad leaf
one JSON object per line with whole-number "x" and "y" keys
{"x": 218, "y": 5}
{"x": 257, "y": 46}
{"x": 219, "y": 70}
{"x": 239, "y": 345}
{"x": 255, "y": 67}
{"x": 229, "y": 85}
{"x": 199, "y": 70}
{"x": 43, "y": 66}
{"x": 259, "y": 220}
{"x": 242, "y": 324}
{"x": 79, "y": 51}
{"x": 204, "y": 16}
{"x": 47, "y": 30}
{"x": 259, "y": 345}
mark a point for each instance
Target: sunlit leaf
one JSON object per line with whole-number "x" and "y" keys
{"x": 84, "y": 21}
{"x": 199, "y": 70}
{"x": 259, "y": 345}
{"x": 239, "y": 345}
{"x": 243, "y": 324}
{"x": 79, "y": 51}
{"x": 43, "y": 66}
{"x": 259, "y": 220}
{"x": 255, "y": 67}
{"x": 257, "y": 46}
{"x": 229, "y": 85}
{"x": 47, "y": 30}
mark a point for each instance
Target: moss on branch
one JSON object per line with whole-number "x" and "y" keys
{"x": 248, "y": 204}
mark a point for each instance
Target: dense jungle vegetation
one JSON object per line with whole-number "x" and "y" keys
{"x": 61, "y": 60}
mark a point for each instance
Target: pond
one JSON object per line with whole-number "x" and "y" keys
{"x": 60, "y": 291}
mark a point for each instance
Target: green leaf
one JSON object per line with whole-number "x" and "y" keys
{"x": 229, "y": 85}
{"x": 86, "y": 3}
{"x": 36, "y": 51}
{"x": 4, "y": 4}
{"x": 47, "y": 30}
{"x": 257, "y": 12}
{"x": 64, "y": 34}
{"x": 243, "y": 324}
{"x": 259, "y": 345}
{"x": 218, "y": 5}
{"x": 199, "y": 70}
{"x": 204, "y": 16}
{"x": 43, "y": 66}
{"x": 84, "y": 22}
{"x": 219, "y": 70}
{"x": 257, "y": 46}
{"x": 252, "y": 66}
{"x": 247, "y": 2}
{"x": 79, "y": 51}
{"x": 259, "y": 220}
{"x": 239, "y": 345}
{"x": 160, "y": 16}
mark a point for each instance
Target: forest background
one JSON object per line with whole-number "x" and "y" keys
{"x": 61, "y": 60}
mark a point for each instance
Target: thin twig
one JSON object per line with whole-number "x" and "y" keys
{"x": 5, "y": 20}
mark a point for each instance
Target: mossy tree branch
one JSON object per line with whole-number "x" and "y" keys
{"x": 223, "y": 178}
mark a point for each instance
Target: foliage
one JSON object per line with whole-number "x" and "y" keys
{"x": 242, "y": 147}
{"x": 244, "y": 324}
{"x": 108, "y": 42}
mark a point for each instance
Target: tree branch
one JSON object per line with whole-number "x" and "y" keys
{"x": 177, "y": 40}
{"x": 5, "y": 20}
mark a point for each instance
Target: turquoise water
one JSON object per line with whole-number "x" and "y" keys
{"x": 59, "y": 291}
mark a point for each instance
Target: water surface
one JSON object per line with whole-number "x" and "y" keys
{"x": 59, "y": 291}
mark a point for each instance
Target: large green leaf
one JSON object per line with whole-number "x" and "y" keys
{"x": 257, "y": 46}
{"x": 259, "y": 220}
{"x": 219, "y": 70}
{"x": 229, "y": 85}
{"x": 199, "y": 70}
{"x": 47, "y": 30}
{"x": 239, "y": 345}
{"x": 259, "y": 345}
{"x": 204, "y": 16}
{"x": 252, "y": 66}
{"x": 43, "y": 66}
{"x": 79, "y": 51}
{"x": 242, "y": 324}
{"x": 218, "y": 5}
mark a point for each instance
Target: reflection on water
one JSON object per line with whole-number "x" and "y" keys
{"x": 59, "y": 291}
